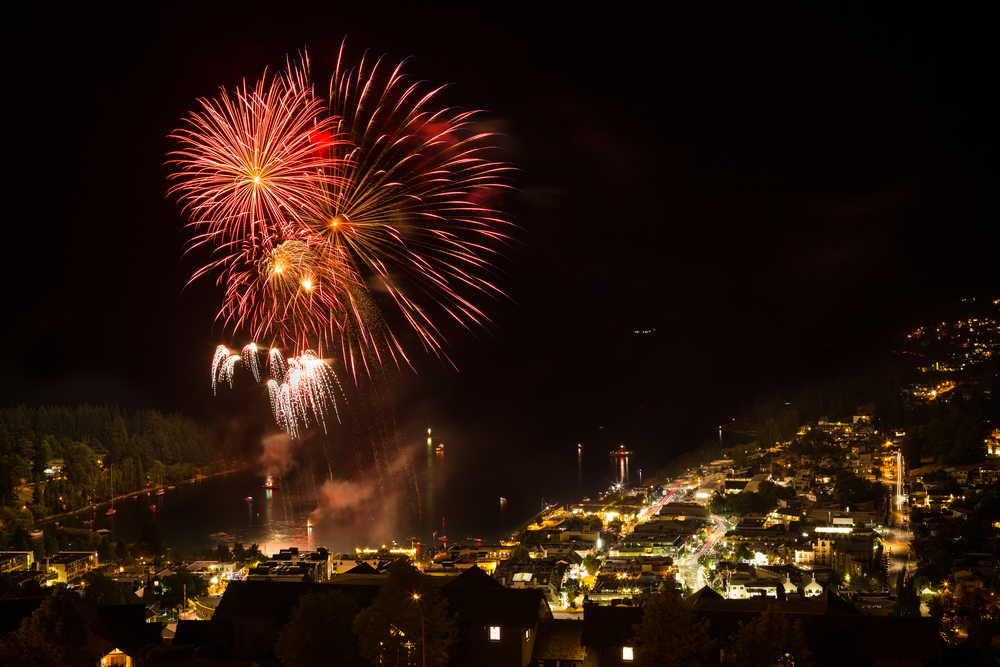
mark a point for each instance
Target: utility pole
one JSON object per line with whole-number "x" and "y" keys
{"x": 423, "y": 646}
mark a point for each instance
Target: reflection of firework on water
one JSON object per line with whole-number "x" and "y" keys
{"x": 319, "y": 214}
{"x": 302, "y": 388}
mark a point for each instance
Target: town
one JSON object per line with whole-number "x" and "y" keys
{"x": 877, "y": 522}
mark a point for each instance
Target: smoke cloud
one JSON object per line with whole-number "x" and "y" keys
{"x": 277, "y": 455}
{"x": 376, "y": 506}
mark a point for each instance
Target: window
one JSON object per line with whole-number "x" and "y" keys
{"x": 527, "y": 634}
{"x": 627, "y": 655}
{"x": 494, "y": 633}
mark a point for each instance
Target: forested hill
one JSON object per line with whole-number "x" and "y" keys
{"x": 91, "y": 441}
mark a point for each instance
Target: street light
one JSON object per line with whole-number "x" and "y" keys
{"x": 423, "y": 648}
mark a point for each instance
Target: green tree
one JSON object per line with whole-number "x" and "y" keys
{"x": 532, "y": 538}
{"x": 670, "y": 633}
{"x": 520, "y": 551}
{"x": 54, "y": 634}
{"x": 396, "y": 617}
{"x": 121, "y": 551}
{"x": 223, "y": 554}
{"x": 591, "y": 564}
{"x": 320, "y": 627}
{"x": 768, "y": 639}
{"x": 181, "y": 583}
{"x": 100, "y": 590}
{"x": 151, "y": 540}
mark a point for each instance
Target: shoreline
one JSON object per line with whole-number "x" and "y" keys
{"x": 107, "y": 503}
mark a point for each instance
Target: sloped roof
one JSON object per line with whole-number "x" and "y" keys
{"x": 473, "y": 578}
{"x": 605, "y": 627}
{"x": 276, "y": 599}
{"x": 706, "y": 592}
{"x": 362, "y": 568}
{"x": 190, "y": 632}
{"x": 559, "y": 640}
{"x": 507, "y": 607}
{"x": 823, "y": 604}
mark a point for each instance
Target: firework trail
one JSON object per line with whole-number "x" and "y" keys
{"x": 319, "y": 215}
{"x": 302, "y": 389}
{"x": 223, "y": 365}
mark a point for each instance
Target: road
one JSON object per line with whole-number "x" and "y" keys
{"x": 897, "y": 546}
{"x": 689, "y": 570}
{"x": 720, "y": 531}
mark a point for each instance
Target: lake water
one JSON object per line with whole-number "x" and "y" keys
{"x": 462, "y": 491}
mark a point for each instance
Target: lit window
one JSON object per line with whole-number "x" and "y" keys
{"x": 527, "y": 635}
{"x": 627, "y": 654}
{"x": 494, "y": 633}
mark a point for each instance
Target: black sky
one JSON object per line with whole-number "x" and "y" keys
{"x": 777, "y": 191}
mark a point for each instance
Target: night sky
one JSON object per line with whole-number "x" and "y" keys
{"x": 778, "y": 192}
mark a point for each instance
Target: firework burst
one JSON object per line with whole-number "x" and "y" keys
{"x": 320, "y": 216}
{"x": 247, "y": 169}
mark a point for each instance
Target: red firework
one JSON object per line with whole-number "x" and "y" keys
{"x": 320, "y": 215}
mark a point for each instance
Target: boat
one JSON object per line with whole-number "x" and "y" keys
{"x": 112, "y": 511}
{"x": 88, "y": 522}
{"x": 160, "y": 491}
{"x": 249, "y": 499}
{"x": 152, "y": 508}
{"x": 269, "y": 484}
{"x": 35, "y": 534}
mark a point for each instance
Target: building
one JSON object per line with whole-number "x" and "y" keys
{"x": 294, "y": 565}
{"x": 544, "y": 574}
{"x": 69, "y": 566}
{"x": 835, "y": 632}
{"x": 15, "y": 561}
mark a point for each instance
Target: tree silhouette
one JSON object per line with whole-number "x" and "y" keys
{"x": 52, "y": 635}
{"x": 320, "y": 627}
{"x": 394, "y": 624}
{"x": 670, "y": 633}
{"x": 769, "y": 639}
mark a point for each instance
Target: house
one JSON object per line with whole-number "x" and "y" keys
{"x": 497, "y": 626}
{"x": 114, "y": 634}
{"x": 545, "y": 574}
{"x": 608, "y": 634}
{"x": 558, "y": 644}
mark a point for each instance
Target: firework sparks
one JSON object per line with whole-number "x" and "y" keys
{"x": 321, "y": 214}
{"x": 247, "y": 167}
{"x": 301, "y": 395}
{"x": 249, "y": 356}
{"x": 223, "y": 366}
